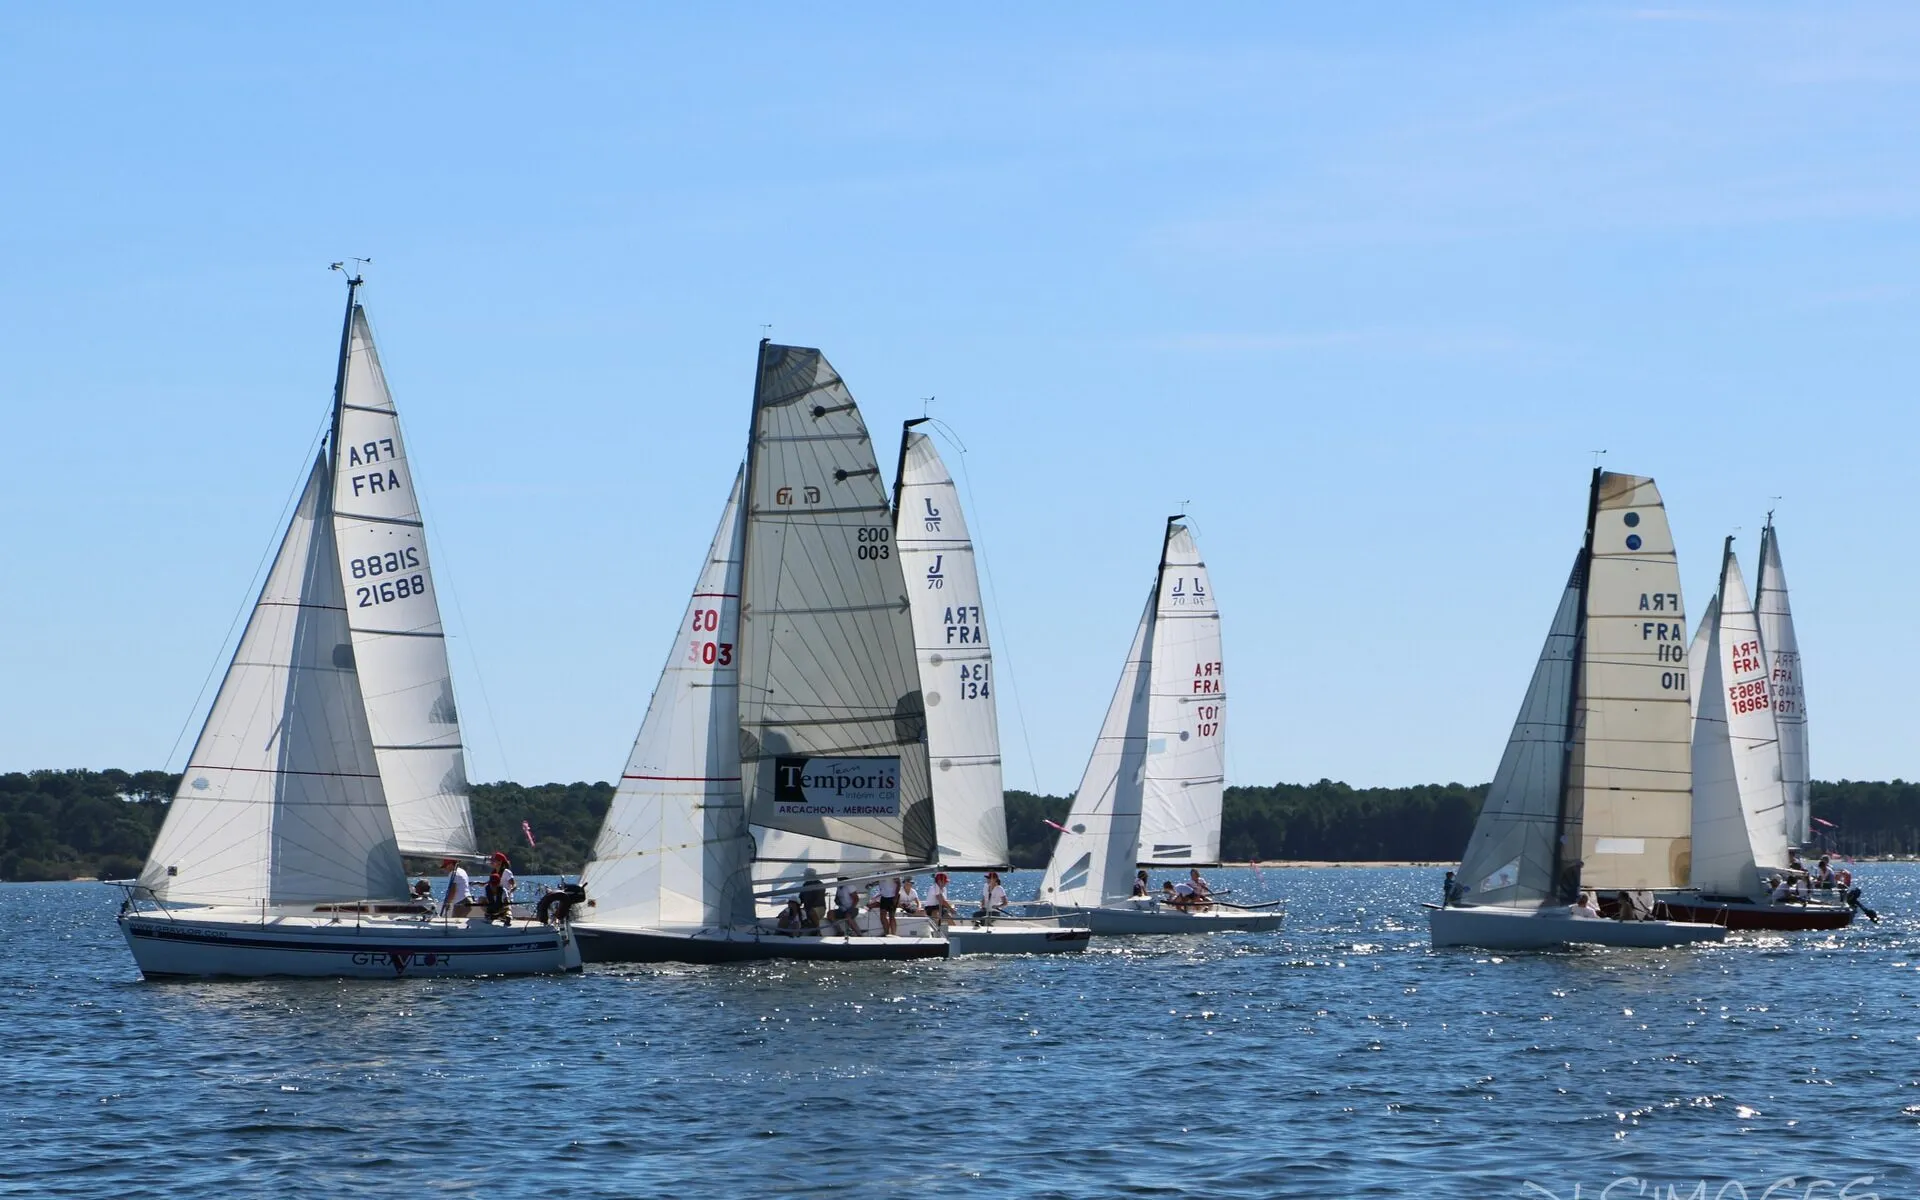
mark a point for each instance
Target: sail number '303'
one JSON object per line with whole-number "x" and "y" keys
{"x": 703, "y": 650}
{"x": 873, "y": 542}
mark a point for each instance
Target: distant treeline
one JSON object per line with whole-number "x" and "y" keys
{"x": 67, "y": 824}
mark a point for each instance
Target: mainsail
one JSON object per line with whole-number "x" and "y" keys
{"x": 398, "y": 645}
{"x": 1789, "y": 692}
{"x": 280, "y": 802}
{"x": 1631, "y": 774}
{"x": 833, "y": 737}
{"x": 1510, "y": 858}
{"x": 955, "y": 657}
{"x": 1739, "y": 818}
{"x": 674, "y": 849}
{"x": 1185, "y": 770}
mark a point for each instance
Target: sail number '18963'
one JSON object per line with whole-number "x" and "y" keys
{"x": 706, "y": 651}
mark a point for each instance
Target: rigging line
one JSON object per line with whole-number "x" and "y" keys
{"x": 1004, "y": 640}
{"x": 253, "y": 587}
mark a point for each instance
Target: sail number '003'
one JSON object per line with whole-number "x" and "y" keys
{"x": 706, "y": 651}
{"x": 873, "y": 542}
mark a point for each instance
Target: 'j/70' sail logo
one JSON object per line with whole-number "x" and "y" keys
{"x": 935, "y": 578}
{"x": 809, "y": 495}
{"x": 1181, "y": 593}
{"x": 933, "y": 516}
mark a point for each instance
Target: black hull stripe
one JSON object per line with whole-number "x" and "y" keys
{"x": 372, "y": 944}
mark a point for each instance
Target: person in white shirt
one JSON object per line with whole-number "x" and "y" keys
{"x": 994, "y": 901}
{"x": 459, "y": 897}
{"x": 910, "y": 899}
{"x": 846, "y": 909}
{"x": 938, "y": 906}
{"x": 1202, "y": 891}
{"x": 507, "y": 882}
{"x": 1183, "y": 897}
{"x": 1588, "y": 905}
{"x": 1779, "y": 893}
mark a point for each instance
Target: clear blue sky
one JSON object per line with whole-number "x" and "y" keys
{"x": 1358, "y": 287}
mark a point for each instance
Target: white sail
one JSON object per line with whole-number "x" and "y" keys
{"x": 833, "y": 749}
{"x": 1094, "y": 857}
{"x": 956, "y": 659}
{"x": 1631, "y": 776}
{"x": 1185, "y": 775}
{"x": 280, "y": 802}
{"x": 674, "y": 850}
{"x": 1510, "y": 857}
{"x": 398, "y": 644}
{"x": 1788, "y": 688}
{"x": 1739, "y": 817}
{"x": 1698, "y": 652}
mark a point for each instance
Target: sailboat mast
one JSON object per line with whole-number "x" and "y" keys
{"x": 1562, "y": 892}
{"x": 340, "y": 371}
{"x": 1726, "y": 556}
{"x": 900, "y": 469}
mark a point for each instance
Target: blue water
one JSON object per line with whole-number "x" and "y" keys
{"x": 1341, "y": 1057}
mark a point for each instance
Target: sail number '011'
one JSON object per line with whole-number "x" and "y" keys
{"x": 873, "y": 542}
{"x": 701, "y": 650}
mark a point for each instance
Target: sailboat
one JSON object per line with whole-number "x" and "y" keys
{"x": 1593, "y": 789}
{"x": 1739, "y": 801}
{"x": 332, "y": 747}
{"x": 956, "y": 673}
{"x": 1157, "y": 767}
{"x": 785, "y": 747}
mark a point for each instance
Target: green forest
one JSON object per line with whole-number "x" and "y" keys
{"x": 98, "y": 824}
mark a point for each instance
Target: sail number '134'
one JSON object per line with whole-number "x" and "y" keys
{"x": 703, "y": 650}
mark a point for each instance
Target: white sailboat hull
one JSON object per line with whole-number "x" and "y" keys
{"x": 245, "y": 943}
{"x": 1017, "y": 937}
{"x": 1152, "y": 917}
{"x": 1491, "y": 927}
{"x": 609, "y": 944}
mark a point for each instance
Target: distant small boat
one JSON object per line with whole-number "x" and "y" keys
{"x": 331, "y": 748}
{"x": 786, "y": 745}
{"x": 1153, "y": 787}
{"x": 1594, "y": 787}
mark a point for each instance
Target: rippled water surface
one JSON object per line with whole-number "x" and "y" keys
{"x": 1340, "y": 1057}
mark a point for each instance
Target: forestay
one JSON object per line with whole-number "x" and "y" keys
{"x": 1185, "y": 763}
{"x": 1739, "y": 820}
{"x": 1510, "y": 857}
{"x": 1782, "y": 648}
{"x": 832, "y": 725}
{"x": 280, "y": 802}
{"x": 1631, "y": 772}
{"x": 398, "y": 643}
{"x": 674, "y": 849}
{"x": 955, "y": 656}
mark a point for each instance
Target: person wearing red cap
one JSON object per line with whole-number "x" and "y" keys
{"x": 505, "y": 868}
{"x": 459, "y": 897}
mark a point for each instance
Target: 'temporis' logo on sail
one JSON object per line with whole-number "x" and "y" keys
{"x": 840, "y": 787}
